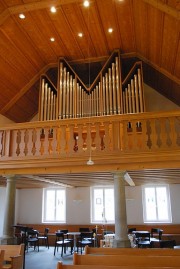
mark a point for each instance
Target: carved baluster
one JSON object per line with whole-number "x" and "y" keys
{"x": 158, "y": 132}
{"x": 75, "y": 135}
{"x": 84, "y": 137}
{"x": 110, "y": 136}
{"x": 26, "y": 140}
{"x": 34, "y": 139}
{"x": 50, "y": 139}
{"x": 58, "y": 137}
{"x": 1, "y": 144}
{"x": 42, "y": 139}
{"x": 130, "y": 135}
{"x": 139, "y": 134}
{"x": 93, "y": 136}
{"x": 177, "y": 128}
{"x": 102, "y": 135}
{"x": 18, "y": 141}
{"x": 67, "y": 138}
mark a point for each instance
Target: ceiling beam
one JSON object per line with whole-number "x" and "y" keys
{"x": 41, "y": 179}
{"x": 129, "y": 180}
{"x": 164, "y": 8}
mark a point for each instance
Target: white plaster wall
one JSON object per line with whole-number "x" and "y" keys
{"x": 78, "y": 205}
{"x": 78, "y": 200}
{"x": 30, "y": 206}
{"x": 154, "y": 101}
{"x": 175, "y": 202}
{"x": 4, "y": 120}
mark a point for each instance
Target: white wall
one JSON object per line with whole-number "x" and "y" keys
{"x": 4, "y": 120}
{"x": 154, "y": 101}
{"x": 29, "y": 204}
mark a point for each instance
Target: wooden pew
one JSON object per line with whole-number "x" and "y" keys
{"x": 132, "y": 251}
{"x": 14, "y": 256}
{"x": 126, "y": 260}
{"x": 60, "y": 265}
{"x": 1, "y": 258}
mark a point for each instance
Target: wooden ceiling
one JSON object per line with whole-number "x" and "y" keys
{"x": 144, "y": 29}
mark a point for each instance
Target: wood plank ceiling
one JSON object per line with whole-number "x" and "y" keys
{"x": 142, "y": 29}
{"x": 145, "y": 29}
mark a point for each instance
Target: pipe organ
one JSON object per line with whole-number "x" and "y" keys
{"x": 107, "y": 95}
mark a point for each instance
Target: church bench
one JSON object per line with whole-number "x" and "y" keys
{"x": 60, "y": 265}
{"x": 132, "y": 251}
{"x": 126, "y": 260}
{"x": 1, "y": 258}
{"x": 13, "y": 256}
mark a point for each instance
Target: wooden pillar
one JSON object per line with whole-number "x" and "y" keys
{"x": 121, "y": 235}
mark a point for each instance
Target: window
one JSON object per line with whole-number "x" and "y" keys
{"x": 102, "y": 204}
{"x": 156, "y": 203}
{"x": 54, "y": 205}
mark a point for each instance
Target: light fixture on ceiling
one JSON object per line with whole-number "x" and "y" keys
{"x": 52, "y": 39}
{"x": 90, "y": 162}
{"x": 110, "y": 30}
{"x": 80, "y": 34}
{"x": 22, "y": 16}
{"x": 86, "y": 3}
{"x": 53, "y": 9}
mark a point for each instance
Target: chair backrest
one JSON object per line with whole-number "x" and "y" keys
{"x": 32, "y": 233}
{"x": 46, "y": 231}
{"x": 64, "y": 231}
{"x": 108, "y": 232}
{"x": 167, "y": 243}
{"x": 130, "y": 230}
{"x": 86, "y": 235}
{"x": 84, "y": 229}
{"x": 157, "y": 231}
{"x": 59, "y": 236}
{"x": 143, "y": 236}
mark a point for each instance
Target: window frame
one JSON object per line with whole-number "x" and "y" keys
{"x": 156, "y": 220}
{"x": 104, "y": 220}
{"x": 44, "y": 207}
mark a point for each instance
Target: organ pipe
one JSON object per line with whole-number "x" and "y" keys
{"x": 108, "y": 96}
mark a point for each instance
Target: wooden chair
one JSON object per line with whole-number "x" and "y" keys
{"x": 2, "y": 252}
{"x": 44, "y": 237}
{"x": 62, "y": 242}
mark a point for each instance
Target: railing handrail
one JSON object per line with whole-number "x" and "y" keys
{"x": 97, "y": 119}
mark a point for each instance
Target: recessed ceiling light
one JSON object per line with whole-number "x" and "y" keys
{"x": 86, "y": 3}
{"x": 110, "y": 30}
{"x": 52, "y": 39}
{"x": 53, "y": 9}
{"x": 80, "y": 34}
{"x": 22, "y": 16}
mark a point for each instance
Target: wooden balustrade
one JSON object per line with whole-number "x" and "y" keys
{"x": 113, "y": 136}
